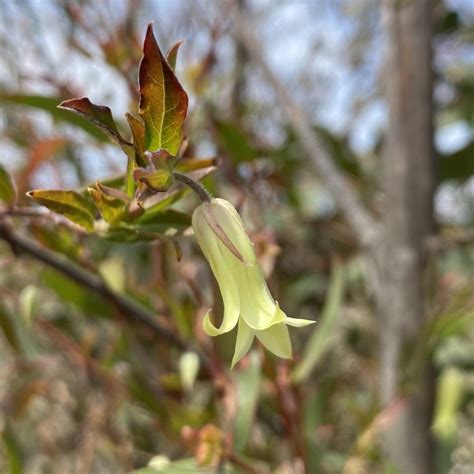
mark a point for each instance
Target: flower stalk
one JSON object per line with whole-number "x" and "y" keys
{"x": 198, "y": 188}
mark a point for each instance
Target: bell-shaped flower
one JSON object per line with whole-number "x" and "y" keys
{"x": 248, "y": 303}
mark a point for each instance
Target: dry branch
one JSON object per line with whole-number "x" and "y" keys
{"x": 364, "y": 225}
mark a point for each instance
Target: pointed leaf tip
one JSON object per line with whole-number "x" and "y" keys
{"x": 99, "y": 115}
{"x": 163, "y": 102}
{"x": 172, "y": 55}
{"x": 70, "y": 204}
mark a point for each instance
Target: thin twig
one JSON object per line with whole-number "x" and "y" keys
{"x": 364, "y": 225}
{"x": 128, "y": 307}
{"x": 24, "y": 212}
{"x": 41, "y": 213}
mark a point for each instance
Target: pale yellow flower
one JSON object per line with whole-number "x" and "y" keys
{"x": 247, "y": 300}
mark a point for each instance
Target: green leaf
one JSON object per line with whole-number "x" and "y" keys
{"x": 50, "y": 105}
{"x": 319, "y": 342}
{"x": 163, "y": 102}
{"x": 99, "y": 115}
{"x": 157, "y": 180}
{"x": 155, "y": 226}
{"x": 7, "y": 188}
{"x": 248, "y": 388}
{"x": 111, "y": 202}
{"x": 138, "y": 132}
{"x": 70, "y": 204}
{"x": 161, "y": 201}
{"x": 168, "y": 217}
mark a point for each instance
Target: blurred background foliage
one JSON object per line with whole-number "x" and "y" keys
{"x": 84, "y": 388}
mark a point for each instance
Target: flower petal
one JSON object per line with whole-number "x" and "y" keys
{"x": 230, "y": 293}
{"x": 243, "y": 342}
{"x": 257, "y": 306}
{"x": 277, "y": 340}
{"x": 228, "y": 323}
{"x": 227, "y": 218}
{"x": 298, "y": 323}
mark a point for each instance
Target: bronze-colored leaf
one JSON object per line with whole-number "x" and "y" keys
{"x": 138, "y": 132}
{"x": 160, "y": 159}
{"x": 112, "y": 192}
{"x": 99, "y": 115}
{"x": 172, "y": 55}
{"x": 163, "y": 101}
{"x": 70, "y": 204}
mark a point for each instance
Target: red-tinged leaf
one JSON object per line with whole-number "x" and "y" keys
{"x": 112, "y": 192}
{"x": 7, "y": 188}
{"x": 70, "y": 204}
{"x": 163, "y": 101}
{"x": 160, "y": 159}
{"x": 172, "y": 55}
{"x": 134, "y": 211}
{"x": 138, "y": 132}
{"x": 99, "y": 115}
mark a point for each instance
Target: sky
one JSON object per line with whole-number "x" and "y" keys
{"x": 304, "y": 41}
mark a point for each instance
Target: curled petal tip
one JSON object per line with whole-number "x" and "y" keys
{"x": 227, "y": 325}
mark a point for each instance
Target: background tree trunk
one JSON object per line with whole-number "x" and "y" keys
{"x": 408, "y": 221}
